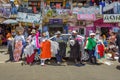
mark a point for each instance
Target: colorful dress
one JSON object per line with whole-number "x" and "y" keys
{"x": 18, "y": 47}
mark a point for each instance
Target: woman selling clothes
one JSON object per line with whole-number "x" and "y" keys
{"x": 45, "y": 46}
{"x": 19, "y": 42}
{"x": 75, "y": 50}
{"x": 30, "y": 49}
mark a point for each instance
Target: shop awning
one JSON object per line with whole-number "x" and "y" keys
{"x": 100, "y": 23}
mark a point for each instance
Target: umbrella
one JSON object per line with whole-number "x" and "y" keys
{"x": 10, "y": 21}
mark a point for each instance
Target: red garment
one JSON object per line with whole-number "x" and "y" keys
{"x": 30, "y": 59}
{"x": 101, "y": 50}
{"x": 46, "y": 50}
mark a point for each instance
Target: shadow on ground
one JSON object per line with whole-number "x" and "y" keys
{"x": 118, "y": 67}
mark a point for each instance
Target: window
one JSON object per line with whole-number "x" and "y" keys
{"x": 81, "y": 23}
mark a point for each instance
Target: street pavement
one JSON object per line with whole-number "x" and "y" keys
{"x": 13, "y": 71}
{"x": 67, "y": 71}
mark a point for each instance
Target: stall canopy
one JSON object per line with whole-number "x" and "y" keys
{"x": 10, "y": 21}
{"x": 100, "y": 23}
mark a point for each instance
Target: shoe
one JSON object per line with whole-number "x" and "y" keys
{"x": 49, "y": 62}
{"x": 97, "y": 64}
{"x": 42, "y": 64}
{"x": 58, "y": 63}
{"x": 63, "y": 60}
{"x": 82, "y": 64}
{"x": 7, "y": 61}
{"x": 78, "y": 65}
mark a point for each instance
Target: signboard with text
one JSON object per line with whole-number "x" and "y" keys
{"x": 29, "y": 17}
{"x": 111, "y": 18}
{"x": 86, "y": 17}
{"x": 55, "y": 21}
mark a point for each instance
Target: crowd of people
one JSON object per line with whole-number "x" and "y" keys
{"x": 37, "y": 46}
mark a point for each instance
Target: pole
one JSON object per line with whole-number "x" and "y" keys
{"x": 71, "y": 5}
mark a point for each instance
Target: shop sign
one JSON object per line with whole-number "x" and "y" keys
{"x": 29, "y": 17}
{"x": 62, "y": 11}
{"x": 55, "y": 21}
{"x": 111, "y": 18}
{"x": 90, "y": 10}
{"x": 86, "y": 17}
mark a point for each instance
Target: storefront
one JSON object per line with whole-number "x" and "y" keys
{"x": 86, "y": 20}
{"x": 104, "y": 27}
{"x": 56, "y": 21}
{"x": 54, "y": 25}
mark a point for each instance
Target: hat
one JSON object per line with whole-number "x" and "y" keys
{"x": 92, "y": 34}
{"x": 74, "y": 31}
{"x": 19, "y": 29}
{"x": 58, "y": 32}
{"x": 33, "y": 31}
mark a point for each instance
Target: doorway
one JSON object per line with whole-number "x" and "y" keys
{"x": 105, "y": 31}
{"x": 53, "y": 30}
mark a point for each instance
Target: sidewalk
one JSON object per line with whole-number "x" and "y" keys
{"x": 3, "y": 54}
{"x": 3, "y": 48}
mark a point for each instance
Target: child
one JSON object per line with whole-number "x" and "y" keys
{"x": 112, "y": 49}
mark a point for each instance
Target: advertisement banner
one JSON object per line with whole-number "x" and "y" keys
{"x": 29, "y": 17}
{"x": 111, "y": 18}
{"x": 86, "y": 17}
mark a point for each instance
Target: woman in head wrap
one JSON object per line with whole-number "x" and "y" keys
{"x": 75, "y": 48}
{"x": 19, "y": 42}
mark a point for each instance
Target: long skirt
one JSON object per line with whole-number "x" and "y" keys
{"x": 75, "y": 51}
